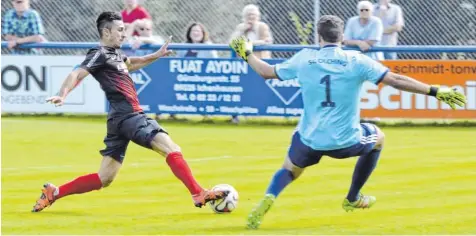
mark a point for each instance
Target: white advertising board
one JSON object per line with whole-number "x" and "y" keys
{"x": 27, "y": 80}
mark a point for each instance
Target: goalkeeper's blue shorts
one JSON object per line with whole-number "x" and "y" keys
{"x": 302, "y": 155}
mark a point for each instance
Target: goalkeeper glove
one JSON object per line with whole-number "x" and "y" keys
{"x": 242, "y": 46}
{"x": 448, "y": 96}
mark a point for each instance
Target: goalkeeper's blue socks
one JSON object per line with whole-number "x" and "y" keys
{"x": 280, "y": 180}
{"x": 363, "y": 169}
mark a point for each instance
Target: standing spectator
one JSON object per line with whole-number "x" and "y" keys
{"x": 197, "y": 33}
{"x": 22, "y": 25}
{"x": 132, "y": 12}
{"x": 254, "y": 29}
{"x": 392, "y": 19}
{"x": 364, "y": 30}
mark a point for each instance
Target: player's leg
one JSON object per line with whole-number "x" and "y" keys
{"x": 95, "y": 181}
{"x": 147, "y": 133}
{"x": 113, "y": 156}
{"x": 283, "y": 177}
{"x": 299, "y": 157}
{"x": 82, "y": 184}
{"x": 373, "y": 139}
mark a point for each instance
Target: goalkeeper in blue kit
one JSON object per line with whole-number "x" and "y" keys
{"x": 331, "y": 80}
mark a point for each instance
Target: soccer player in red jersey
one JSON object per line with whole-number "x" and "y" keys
{"x": 126, "y": 121}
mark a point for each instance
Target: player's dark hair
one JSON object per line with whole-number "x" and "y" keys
{"x": 202, "y": 27}
{"x": 105, "y": 20}
{"x": 330, "y": 28}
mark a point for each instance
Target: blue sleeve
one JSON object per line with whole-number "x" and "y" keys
{"x": 376, "y": 32}
{"x": 371, "y": 70}
{"x": 208, "y": 54}
{"x": 348, "y": 30}
{"x": 288, "y": 69}
{"x": 36, "y": 23}
{"x": 7, "y": 23}
{"x": 180, "y": 53}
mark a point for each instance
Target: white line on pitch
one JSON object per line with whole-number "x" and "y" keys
{"x": 202, "y": 159}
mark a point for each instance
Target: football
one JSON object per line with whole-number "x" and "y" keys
{"x": 225, "y": 205}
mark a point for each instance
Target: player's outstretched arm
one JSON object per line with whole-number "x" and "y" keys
{"x": 135, "y": 63}
{"x": 73, "y": 79}
{"x": 405, "y": 83}
{"x": 261, "y": 67}
{"x": 244, "y": 48}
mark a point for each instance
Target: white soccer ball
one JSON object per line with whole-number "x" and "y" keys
{"x": 225, "y": 205}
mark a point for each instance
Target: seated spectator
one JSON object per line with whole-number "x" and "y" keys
{"x": 132, "y": 12}
{"x": 392, "y": 19}
{"x": 197, "y": 33}
{"x": 254, "y": 29}
{"x": 145, "y": 36}
{"x": 22, "y": 25}
{"x": 364, "y": 30}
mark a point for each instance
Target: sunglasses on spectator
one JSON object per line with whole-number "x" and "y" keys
{"x": 148, "y": 29}
{"x": 362, "y": 10}
{"x": 17, "y": 1}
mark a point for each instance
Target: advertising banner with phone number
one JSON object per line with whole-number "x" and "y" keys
{"x": 231, "y": 87}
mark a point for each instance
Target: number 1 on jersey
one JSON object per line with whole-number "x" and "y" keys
{"x": 328, "y": 102}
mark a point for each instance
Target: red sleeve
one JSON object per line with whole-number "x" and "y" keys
{"x": 124, "y": 17}
{"x": 144, "y": 14}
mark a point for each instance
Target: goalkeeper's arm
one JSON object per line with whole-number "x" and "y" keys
{"x": 405, "y": 83}
{"x": 244, "y": 49}
{"x": 261, "y": 67}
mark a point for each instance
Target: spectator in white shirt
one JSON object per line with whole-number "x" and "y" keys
{"x": 392, "y": 19}
{"x": 364, "y": 30}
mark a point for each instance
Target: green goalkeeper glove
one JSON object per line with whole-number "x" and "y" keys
{"x": 448, "y": 96}
{"x": 242, "y": 46}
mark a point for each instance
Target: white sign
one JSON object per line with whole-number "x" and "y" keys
{"x": 27, "y": 80}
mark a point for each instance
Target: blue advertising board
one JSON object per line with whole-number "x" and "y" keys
{"x": 214, "y": 87}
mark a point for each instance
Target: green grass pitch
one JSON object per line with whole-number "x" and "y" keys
{"x": 425, "y": 182}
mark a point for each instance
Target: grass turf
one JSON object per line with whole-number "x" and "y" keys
{"x": 424, "y": 183}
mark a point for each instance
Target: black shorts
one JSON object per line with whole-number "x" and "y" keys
{"x": 138, "y": 128}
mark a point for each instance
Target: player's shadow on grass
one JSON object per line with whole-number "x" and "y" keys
{"x": 242, "y": 229}
{"x": 61, "y": 213}
{"x": 179, "y": 216}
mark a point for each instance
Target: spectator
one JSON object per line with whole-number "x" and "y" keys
{"x": 392, "y": 19}
{"x": 145, "y": 36}
{"x": 22, "y": 25}
{"x": 255, "y": 30}
{"x": 197, "y": 33}
{"x": 364, "y": 30}
{"x": 132, "y": 12}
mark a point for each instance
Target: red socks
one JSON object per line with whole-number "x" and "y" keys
{"x": 90, "y": 182}
{"x": 181, "y": 170}
{"x": 82, "y": 184}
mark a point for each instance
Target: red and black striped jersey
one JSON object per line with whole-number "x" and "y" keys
{"x": 107, "y": 65}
